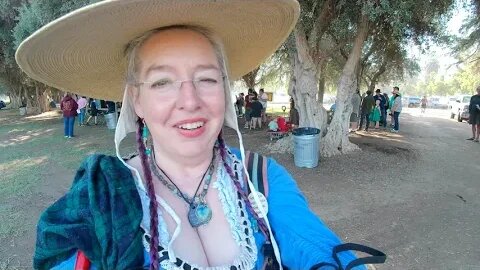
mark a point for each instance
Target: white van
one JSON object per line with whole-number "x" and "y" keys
{"x": 459, "y": 108}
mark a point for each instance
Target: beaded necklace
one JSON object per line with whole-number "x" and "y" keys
{"x": 199, "y": 212}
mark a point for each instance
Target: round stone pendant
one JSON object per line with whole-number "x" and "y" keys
{"x": 199, "y": 214}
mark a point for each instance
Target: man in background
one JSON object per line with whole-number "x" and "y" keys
{"x": 474, "y": 120}
{"x": 367, "y": 106}
{"x": 383, "y": 109}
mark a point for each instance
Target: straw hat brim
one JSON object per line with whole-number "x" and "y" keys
{"x": 83, "y": 51}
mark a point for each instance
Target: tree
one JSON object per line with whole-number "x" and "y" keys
{"x": 402, "y": 20}
{"x": 308, "y": 59}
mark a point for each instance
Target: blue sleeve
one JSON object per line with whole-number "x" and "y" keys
{"x": 304, "y": 240}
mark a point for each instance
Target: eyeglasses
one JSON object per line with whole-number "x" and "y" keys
{"x": 204, "y": 84}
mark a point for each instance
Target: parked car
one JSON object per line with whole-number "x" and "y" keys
{"x": 451, "y": 101}
{"x": 411, "y": 102}
{"x": 459, "y": 109}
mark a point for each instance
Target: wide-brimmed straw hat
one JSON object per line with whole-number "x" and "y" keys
{"x": 84, "y": 51}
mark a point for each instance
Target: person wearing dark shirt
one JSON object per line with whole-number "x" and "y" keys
{"x": 69, "y": 108}
{"x": 256, "y": 113}
{"x": 367, "y": 106}
{"x": 474, "y": 120}
{"x": 248, "y": 107}
{"x": 383, "y": 108}
{"x": 93, "y": 112}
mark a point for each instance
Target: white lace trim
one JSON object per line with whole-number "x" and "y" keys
{"x": 233, "y": 207}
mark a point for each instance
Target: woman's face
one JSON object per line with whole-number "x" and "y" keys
{"x": 184, "y": 117}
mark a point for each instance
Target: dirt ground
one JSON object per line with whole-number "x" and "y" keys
{"x": 413, "y": 195}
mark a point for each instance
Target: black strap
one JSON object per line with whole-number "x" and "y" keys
{"x": 377, "y": 257}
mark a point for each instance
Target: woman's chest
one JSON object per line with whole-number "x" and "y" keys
{"x": 226, "y": 239}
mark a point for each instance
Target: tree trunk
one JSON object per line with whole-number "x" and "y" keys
{"x": 336, "y": 141}
{"x": 305, "y": 88}
{"x": 321, "y": 84}
{"x": 249, "y": 78}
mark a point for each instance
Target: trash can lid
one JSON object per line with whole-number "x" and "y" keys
{"x": 306, "y": 131}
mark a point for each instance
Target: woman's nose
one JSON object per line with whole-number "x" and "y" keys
{"x": 188, "y": 98}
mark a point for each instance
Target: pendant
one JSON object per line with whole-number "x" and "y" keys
{"x": 199, "y": 214}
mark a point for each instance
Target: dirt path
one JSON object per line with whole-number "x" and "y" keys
{"x": 413, "y": 195}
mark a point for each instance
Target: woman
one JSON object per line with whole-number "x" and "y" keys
{"x": 82, "y": 109}
{"x": 182, "y": 202}
{"x": 396, "y": 108}
{"x": 69, "y": 108}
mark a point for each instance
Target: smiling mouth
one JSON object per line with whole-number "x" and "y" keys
{"x": 192, "y": 126}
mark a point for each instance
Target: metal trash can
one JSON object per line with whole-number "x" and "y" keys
{"x": 111, "y": 121}
{"x": 306, "y": 146}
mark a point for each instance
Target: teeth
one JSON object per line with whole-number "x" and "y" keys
{"x": 190, "y": 126}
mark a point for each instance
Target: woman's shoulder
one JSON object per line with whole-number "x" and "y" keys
{"x": 271, "y": 164}
{"x": 101, "y": 161}
{"x": 101, "y": 168}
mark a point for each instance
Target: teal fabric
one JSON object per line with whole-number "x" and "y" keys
{"x": 100, "y": 215}
{"x": 375, "y": 115}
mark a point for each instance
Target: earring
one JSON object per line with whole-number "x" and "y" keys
{"x": 145, "y": 135}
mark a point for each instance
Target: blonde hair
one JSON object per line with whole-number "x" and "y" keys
{"x": 133, "y": 47}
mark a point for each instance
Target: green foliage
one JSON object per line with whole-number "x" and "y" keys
{"x": 38, "y": 13}
{"x": 463, "y": 82}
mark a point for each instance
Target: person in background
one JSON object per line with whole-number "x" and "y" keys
{"x": 293, "y": 115}
{"x": 376, "y": 114}
{"x": 2, "y": 104}
{"x": 423, "y": 104}
{"x": 396, "y": 108}
{"x": 93, "y": 112}
{"x": 256, "y": 113}
{"x": 356, "y": 100}
{"x": 263, "y": 98}
{"x": 474, "y": 120}
{"x": 110, "y": 106}
{"x": 82, "y": 110}
{"x": 387, "y": 106}
{"x": 367, "y": 105}
{"x": 239, "y": 103}
{"x": 383, "y": 109}
{"x": 248, "y": 107}
{"x": 69, "y": 108}
{"x": 390, "y": 105}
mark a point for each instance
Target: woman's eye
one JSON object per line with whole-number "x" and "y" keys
{"x": 161, "y": 83}
{"x": 208, "y": 80}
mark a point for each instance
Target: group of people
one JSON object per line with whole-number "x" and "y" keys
{"x": 373, "y": 109}
{"x": 255, "y": 105}
{"x": 73, "y": 106}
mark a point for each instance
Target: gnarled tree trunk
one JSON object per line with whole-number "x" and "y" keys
{"x": 336, "y": 141}
{"x": 250, "y": 77}
{"x": 305, "y": 89}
